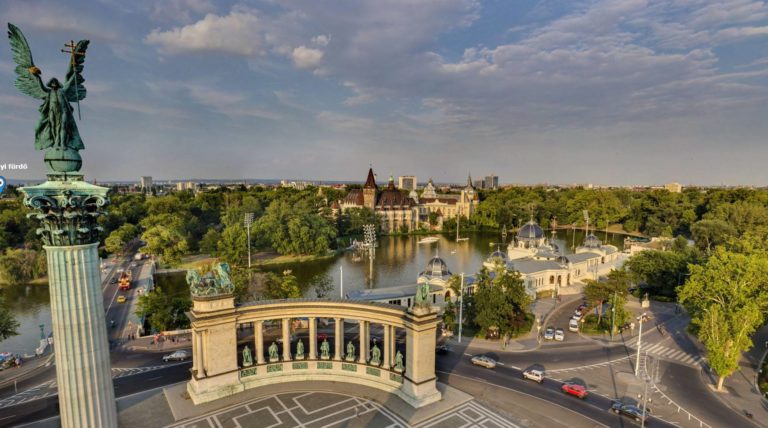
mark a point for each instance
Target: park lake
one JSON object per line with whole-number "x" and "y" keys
{"x": 398, "y": 261}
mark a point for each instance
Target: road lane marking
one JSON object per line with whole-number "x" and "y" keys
{"x": 524, "y": 393}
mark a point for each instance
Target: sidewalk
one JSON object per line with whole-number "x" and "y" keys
{"x": 29, "y": 366}
{"x": 741, "y": 391}
{"x": 542, "y": 309}
{"x": 148, "y": 344}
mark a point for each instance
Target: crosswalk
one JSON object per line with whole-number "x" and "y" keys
{"x": 670, "y": 354}
{"x": 50, "y": 388}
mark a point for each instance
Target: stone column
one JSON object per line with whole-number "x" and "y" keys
{"x": 338, "y": 337}
{"x": 392, "y": 345}
{"x": 197, "y": 353}
{"x": 286, "y": 339}
{"x": 312, "y": 338}
{"x": 258, "y": 346}
{"x": 68, "y": 209}
{"x": 363, "y": 329}
{"x": 385, "y": 347}
{"x": 83, "y": 373}
{"x": 420, "y": 383}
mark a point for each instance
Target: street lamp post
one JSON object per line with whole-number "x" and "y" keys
{"x": 641, "y": 318}
{"x": 613, "y": 315}
{"x": 461, "y": 305}
{"x": 247, "y": 222}
{"x": 341, "y": 281}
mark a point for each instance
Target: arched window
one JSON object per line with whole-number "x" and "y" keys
{"x": 551, "y": 279}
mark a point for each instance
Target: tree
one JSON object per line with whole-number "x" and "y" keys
{"x": 709, "y": 233}
{"x": 727, "y": 299}
{"x": 210, "y": 242}
{"x": 117, "y": 240}
{"x": 233, "y": 245}
{"x": 282, "y": 287}
{"x": 501, "y": 302}
{"x": 167, "y": 242}
{"x": 8, "y": 323}
{"x": 18, "y": 266}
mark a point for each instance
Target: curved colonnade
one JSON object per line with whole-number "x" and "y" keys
{"x": 218, "y": 369}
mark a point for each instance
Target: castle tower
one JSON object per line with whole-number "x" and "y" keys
{"x": 369, "y": 191}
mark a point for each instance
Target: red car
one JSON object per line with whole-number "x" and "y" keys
{"x": 575, "y": 389}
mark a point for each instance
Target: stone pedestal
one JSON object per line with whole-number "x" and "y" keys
{"x": 83, "y": 373}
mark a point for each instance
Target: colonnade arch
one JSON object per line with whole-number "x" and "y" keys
{"x": 403, "y": 362}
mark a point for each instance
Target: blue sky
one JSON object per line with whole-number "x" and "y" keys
{"x": 611, "y": 92}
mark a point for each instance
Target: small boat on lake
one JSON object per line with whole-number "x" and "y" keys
{"x": 429, "y": 240}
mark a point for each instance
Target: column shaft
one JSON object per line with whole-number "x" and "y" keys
{"x": 83, "y": 373}
{"x": 312, "y": 338}
{"x": 258, "y": 334}
{"x": 385, "y": 347}
{"x": 363, "y": 329}
{"x": 286, "y": 339}
{"x": 338, "y": 338}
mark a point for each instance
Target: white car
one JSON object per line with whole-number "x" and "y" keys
{"x": 534, "y": 375}
{"x": 573, "y": 325}
{"x": 559, "y": 335}
{"x": 578, "y": 313}
{"x": 482, "y": 360}
{"x": 176, "y": 356}
{"x": 549, "y": 333}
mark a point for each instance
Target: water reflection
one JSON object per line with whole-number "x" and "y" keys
{"x": 398, "y": 261}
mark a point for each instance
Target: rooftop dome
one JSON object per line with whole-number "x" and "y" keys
{"x": 498, "y": 255}
{"x": 529, "y": 231}
{"x": 592, "y": 241}
{"x": 436, "y": 268}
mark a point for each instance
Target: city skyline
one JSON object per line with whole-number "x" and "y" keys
{"x": 556, "y": 92}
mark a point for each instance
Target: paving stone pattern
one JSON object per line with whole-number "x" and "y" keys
{"x": 324, "y": 409}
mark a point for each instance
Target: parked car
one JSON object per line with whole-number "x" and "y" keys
{"x": 120, "y": 299}
{"x": 442, "y": 349}
{"x": 484, "y": 361}
{"x": 113, "y": 280}
{"x": 177, "y": 356}
{"x": 575, "y": 389}
{"x": 628, "y": 410}
{"x": 573, "y": 326}
{"x": 577, "y": 313}
{"x": 134, "y": 264}
{"x": 534, "y": 375}
{"x": 559, "y": 335}
{"x": 549, "y": 333}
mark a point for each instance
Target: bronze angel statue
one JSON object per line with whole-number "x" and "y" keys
{"x": 56, "y": 130}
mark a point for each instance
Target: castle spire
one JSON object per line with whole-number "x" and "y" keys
{"x": 370, "y": 182}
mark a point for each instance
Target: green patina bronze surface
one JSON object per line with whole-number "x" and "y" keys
{"x": 56, "y": 131}
{"x": 214, "y": 283}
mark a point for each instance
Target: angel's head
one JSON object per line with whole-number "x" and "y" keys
{"x": 54, "y": 84}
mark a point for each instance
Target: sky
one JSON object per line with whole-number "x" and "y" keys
{"x": 563, "y": 91}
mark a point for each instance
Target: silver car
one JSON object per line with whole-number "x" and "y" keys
{"x": 484, "y": 361}
{"x": 549, "y": 333}
{"x": 176, "y": 356}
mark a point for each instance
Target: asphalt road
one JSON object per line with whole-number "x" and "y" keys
{"x": 594, "y": 407}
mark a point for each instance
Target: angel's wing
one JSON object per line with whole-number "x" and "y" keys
{"x": 28, "y": 76}
{"x": 73, "y": 82}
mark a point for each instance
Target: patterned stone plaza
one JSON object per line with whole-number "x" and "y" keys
{"x": 326, "y": 409}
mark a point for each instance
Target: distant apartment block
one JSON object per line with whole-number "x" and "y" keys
{"x": 491, "y": 182}
{"x": 146, "y": 182}
{"x": 674, "y": 187}
{"x": 407, "y": 182}
{"x": 186, "y": 185}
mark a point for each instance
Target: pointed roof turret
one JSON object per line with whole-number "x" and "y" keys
{"x": 370, "y": 182}
{"x": 391, "y": 183}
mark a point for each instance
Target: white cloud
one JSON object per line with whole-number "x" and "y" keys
{"x": 180, "y": 10}
{"x": 239, "y": 33}
{"x": 321, "y": 40}
{"x": 304, "y": 57}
